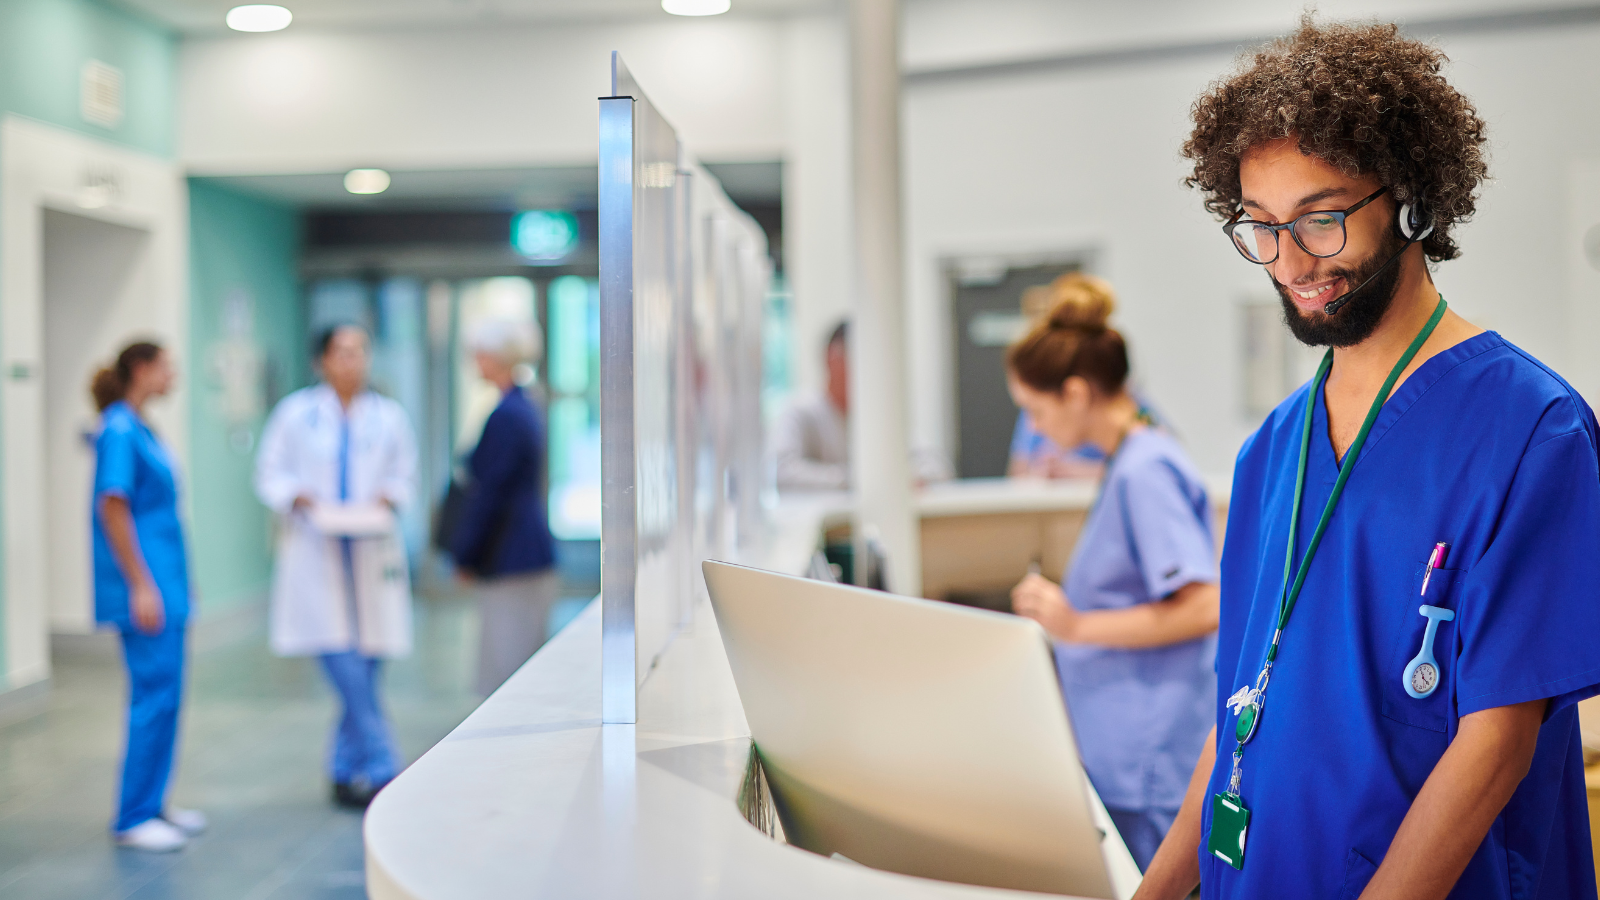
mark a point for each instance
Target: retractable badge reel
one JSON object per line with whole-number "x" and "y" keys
{"x": 1230, "y": 818}
{"x": 1422, "y": 673}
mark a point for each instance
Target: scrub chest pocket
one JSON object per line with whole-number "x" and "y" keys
{"x": 1412, "y": 653}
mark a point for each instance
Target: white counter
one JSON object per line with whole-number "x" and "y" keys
{"x": 983, "y": 496}
{"x": 532, "y": 797}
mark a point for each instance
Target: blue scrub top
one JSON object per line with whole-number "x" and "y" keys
{"x": 131, "y": 462}
{"x": 1141, "y": 716}
{"x": 1486, "y": 449}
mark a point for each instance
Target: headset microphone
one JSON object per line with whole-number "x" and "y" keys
{"x": 1334, "y": 306}
{"x": 1414, "y": 223}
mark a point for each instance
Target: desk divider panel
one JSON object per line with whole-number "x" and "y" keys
{"x": 683, "y": 281}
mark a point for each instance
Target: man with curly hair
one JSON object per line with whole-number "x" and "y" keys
{"x": 1409, "y": 586}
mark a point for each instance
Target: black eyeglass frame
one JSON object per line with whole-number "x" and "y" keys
{"x": 1339, "y": 214}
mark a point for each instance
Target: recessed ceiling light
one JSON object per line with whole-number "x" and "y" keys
{"x": 259, "y": 17}
{"x": 366, "y": 181}
{"x": 696, "y": 7}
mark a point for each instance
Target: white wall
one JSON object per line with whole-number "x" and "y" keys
{"x": 1089, "y": 158}
{"x": 1081, "y": 162}
{"x": 817, "y": 232}
{"x": 942, "y": 33}
{"x": 307, "y": 100}
{"x": 303, "y": 100}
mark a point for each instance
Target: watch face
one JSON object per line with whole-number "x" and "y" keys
{"x": 1423, "y": 678}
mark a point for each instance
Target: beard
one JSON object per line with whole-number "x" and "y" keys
{"x": 1356, "y": 320}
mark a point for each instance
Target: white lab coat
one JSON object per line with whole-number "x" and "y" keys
{"x": 312, "y": 612}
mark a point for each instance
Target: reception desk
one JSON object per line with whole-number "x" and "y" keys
{"x": 532, "y": 797}
{"x": 979, "y": 536}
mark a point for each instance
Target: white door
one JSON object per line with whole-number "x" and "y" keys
{"x": 95, "y": 286}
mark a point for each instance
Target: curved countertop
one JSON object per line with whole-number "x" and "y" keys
{"x": 532, "y": 797}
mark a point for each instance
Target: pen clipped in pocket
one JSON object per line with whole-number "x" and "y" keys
{"x": 1411, "y": 643}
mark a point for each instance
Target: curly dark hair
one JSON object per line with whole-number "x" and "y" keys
{"x": 1359, "y": 97}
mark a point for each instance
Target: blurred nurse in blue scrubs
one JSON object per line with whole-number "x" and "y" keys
{"x": 141, "y": 586}
{"x": 1135, "y": 624}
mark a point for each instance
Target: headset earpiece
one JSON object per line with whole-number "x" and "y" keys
{"x": 1414, "y": 221}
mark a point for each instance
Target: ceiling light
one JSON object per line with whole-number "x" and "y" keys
{"x": 259, "y": 17}
{"x": 366, "y": 181}
{"x": 696, "y": 7}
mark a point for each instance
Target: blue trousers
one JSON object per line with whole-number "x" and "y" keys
{"x": 363, "y": 746}
{"x": 1143, "y": 830}
{"x": 155, "y": 693}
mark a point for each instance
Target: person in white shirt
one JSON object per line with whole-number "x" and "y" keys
{"x": 331, "y": 454}
{"x": 811, "y": 439}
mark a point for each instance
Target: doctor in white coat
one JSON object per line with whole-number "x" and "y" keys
{"x": 336, "y": 460}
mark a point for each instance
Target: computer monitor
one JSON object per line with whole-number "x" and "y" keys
{"x": 913, "y": 736}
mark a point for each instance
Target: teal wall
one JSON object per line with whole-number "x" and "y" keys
{"x": 43, "y": 47}
{"x": 243, "y": 257}
{"x": 44, "y": 44}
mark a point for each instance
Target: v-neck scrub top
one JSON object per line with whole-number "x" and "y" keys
{"x": 1141, "y": 716}
{"x": 1482, "y": 447}
{"x": 132, "y": 463}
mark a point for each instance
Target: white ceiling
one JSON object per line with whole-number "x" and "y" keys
{"x": 205, "y": 16}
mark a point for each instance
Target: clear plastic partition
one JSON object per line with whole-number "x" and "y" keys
{"x": 683, "y": 274}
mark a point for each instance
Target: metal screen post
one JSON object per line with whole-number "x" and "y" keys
{"x": 619, "y": 511}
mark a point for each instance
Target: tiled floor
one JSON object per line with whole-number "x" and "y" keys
{"x": 254, "y": 735}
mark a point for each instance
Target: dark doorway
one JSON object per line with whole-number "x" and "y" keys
{"x": 988, "y": 317}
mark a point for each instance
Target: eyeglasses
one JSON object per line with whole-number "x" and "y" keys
{"x": 1320, "y": 233}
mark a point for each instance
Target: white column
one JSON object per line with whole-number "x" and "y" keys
{"x": 816, "y": 188}
{"x": 879, "y": 411}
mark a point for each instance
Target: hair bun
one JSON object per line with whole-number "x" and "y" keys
{"x": 1082, "y": 302}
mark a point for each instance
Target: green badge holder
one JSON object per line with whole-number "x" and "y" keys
{"x": 1230, "y": 820}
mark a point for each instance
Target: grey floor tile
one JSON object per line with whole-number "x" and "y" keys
{"x": 254, "y": 739}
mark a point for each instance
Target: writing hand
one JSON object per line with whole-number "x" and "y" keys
{"x": 1043, "y": 601}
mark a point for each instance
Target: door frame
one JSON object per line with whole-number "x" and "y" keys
{"x": 46, "y": 167}
{"x": 972, "y": 262}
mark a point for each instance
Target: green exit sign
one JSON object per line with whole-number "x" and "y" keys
{"x": 544, "y": 235}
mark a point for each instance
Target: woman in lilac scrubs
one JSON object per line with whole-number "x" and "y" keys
{"x": 1135, "y": 623}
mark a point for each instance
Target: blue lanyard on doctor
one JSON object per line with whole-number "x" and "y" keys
{"x": 1248, "y": 702}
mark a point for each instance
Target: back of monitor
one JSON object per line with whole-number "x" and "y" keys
{"x": 908, "y": 735}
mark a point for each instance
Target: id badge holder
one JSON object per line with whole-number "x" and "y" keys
{"x": 1230, "y": 820}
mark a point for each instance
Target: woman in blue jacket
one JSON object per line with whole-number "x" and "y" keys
{"x": 502, "y": 541}
{"x": 141, "y": 586}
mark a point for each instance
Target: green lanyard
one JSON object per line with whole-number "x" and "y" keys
{"x": 1249, "y": 701}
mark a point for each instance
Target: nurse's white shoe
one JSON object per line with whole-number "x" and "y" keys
{"x": 153, "y": 836}
{"x": 189, "y": 821}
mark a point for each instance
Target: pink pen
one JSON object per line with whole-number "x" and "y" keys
{"x": 1435, "y": 560}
